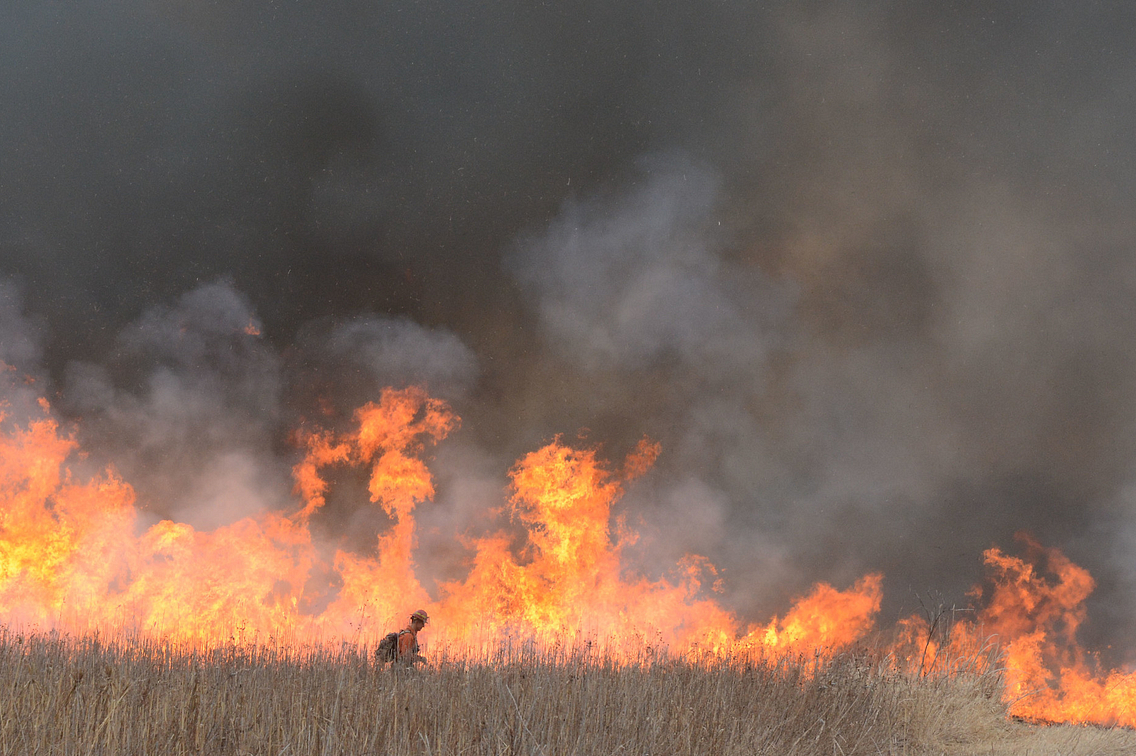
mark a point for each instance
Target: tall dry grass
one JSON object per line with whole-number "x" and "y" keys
{"x": 89, "y": 695}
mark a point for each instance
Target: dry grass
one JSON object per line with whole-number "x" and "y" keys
{"x": 85, "y": 696}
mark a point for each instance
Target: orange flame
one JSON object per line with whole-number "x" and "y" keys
{"x": 70, "y": 555}
{"x": 1030, "y": 612}
{"x": 1036, "y": 617}
{"x": 73, "y": 556}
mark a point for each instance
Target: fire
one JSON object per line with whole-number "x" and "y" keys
{"x": 72, "y": 554}
{"x": 1027, "y": 620}
{"x": 60, "y": 538}
{"x": 75, "y": 555}
{"x": 1035, "y": 609}
{"x": 828, "y": 617}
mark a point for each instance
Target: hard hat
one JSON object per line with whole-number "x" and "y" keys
{"x": 420, "y": 615}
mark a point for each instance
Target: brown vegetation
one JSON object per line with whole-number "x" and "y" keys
{"x": 86, "y": 695}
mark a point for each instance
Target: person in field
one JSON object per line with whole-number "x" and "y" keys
{"x": 408, "y": 654}
{"x": 401, "y": 648}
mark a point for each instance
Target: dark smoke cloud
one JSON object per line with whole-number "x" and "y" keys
{"x": 21, "y": 342}
{"x": 20, "y": 352}
{"x": 865, "y": 270}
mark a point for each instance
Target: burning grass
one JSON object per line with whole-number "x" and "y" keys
{"x": 77, "y": 556}
{"x": 71, "y": 695}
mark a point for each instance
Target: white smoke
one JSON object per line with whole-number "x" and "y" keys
{"x": 188, "y": 408}
{"x": 639, "y": 289}
{"x": 191, "y": 410}
{"x": 640, "y": 280}
{"x": 398, "y": 351}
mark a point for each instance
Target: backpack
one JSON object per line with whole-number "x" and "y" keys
{"x": 387, "y": 650}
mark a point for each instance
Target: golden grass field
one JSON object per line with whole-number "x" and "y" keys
{"x": 87, "y": 695}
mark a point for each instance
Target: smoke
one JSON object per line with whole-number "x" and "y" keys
{"x": 20, "y": 345}
{"x": 20, "y": 353}
{"x": 865, "y": 271}
{"x": 637, "y": 282}
{"x": 639, "y": 303}
{"x": 359, "y": 355}
{"x": 190, "y": 408}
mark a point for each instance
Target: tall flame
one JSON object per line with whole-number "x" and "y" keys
{"x": 1029, "y": 612}
{"x": 70, "y": 555}
{"x": 74, "y": 555}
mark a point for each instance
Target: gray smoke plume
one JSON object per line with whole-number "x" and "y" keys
{"x": 190, "y": 408}
{"x": 665, "y": 336}
{"x": 21, "y": 377}
{"x": 864, "y": 270}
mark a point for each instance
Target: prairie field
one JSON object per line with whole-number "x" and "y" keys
{"x": 96, "y": 695}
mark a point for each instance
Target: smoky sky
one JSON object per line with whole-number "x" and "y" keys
{"x": 865, "y": 270}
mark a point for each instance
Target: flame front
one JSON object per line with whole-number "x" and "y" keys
{"x": 73, "y": 556}
{"x": 1031, "y": 610}
{"x": 70, "y": 555}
